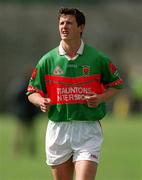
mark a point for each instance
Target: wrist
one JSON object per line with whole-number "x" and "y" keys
{"x": 35, "y": 98}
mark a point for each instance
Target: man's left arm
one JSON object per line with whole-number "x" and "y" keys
{"x": 96, "y": 99}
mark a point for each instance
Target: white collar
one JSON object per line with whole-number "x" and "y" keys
{"x": 62, "y": 52}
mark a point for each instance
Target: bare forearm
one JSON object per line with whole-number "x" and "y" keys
{"x": 42, "y": 102}
{"x": 109, "y": 93}
{"x": 35, "y": 99}
{"x": 95, "y": 99}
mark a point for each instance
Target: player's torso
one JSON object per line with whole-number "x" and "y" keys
{"x": 68, "y": 81}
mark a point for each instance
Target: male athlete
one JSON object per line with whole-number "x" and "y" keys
{"x": 72, "y": 83}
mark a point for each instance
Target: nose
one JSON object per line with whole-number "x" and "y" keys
{"x": 65, "y": 25}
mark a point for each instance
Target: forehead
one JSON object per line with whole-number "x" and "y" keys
{"x": 67, "y": 18}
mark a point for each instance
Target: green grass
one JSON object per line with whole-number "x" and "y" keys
{"x": 121, "y": 155}
{"x": 122, "y": 150}
{"x": 23, "y": 166}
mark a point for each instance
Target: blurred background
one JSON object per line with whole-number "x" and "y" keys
{"x": 28, "y": 29}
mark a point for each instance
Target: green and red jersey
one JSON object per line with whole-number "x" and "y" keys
{"x": 66, "y": 82}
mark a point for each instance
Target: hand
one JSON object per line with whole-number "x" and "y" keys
{"x": 44, "y": 104}
{"x": 39, "y": 101}
{"x": 93, "y": 99}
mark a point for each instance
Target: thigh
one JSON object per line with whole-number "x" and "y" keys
{"x": 85, "y": 170}
{"x": 58, "y": 148}
{"x": 87, "y": 145}
{"x": 63, "y": 171}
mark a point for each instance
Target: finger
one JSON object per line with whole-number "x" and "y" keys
{"x": 92, "y": 103}
{"x": 44, "y": 109}
{"x": 47, "y": 101}
{"x": 87, "y": 97}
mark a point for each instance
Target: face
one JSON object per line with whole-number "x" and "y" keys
{"x": 68, "y": 28}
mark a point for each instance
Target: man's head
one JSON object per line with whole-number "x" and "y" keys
{"x": 71, "y": 24}
{"x": 79, "y": 16}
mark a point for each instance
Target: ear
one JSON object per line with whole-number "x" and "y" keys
{"x": 82, "y": 27}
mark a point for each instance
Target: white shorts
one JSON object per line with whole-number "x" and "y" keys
{"x": 77, "y": 139}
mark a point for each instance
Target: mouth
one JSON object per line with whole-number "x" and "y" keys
{"x": 65, "y": 33}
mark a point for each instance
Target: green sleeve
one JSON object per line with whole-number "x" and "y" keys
{"x": 37, "y": 80}
{"x": 110, "y": 75}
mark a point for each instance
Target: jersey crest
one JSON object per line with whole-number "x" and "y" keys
{"x": 86, "y": 70}
{"x": 58, "y": 71}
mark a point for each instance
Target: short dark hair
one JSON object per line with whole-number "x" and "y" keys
{"x": 80, "y": 18}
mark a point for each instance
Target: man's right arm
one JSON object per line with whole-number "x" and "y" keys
{"x": 39, "y": 101}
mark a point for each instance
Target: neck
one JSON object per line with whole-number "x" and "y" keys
{"x": 71, "y": 48}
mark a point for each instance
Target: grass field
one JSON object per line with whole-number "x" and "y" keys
{"x": 121, "y": 157}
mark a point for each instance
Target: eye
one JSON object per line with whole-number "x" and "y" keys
{"x": 61, "y": 23}
{"x": 69, "y": 23}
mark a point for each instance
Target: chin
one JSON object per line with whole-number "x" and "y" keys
{"x": 65, "y": 39}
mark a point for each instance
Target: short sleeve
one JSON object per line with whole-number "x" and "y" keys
{"x": 37, "y": 80}
{"x": 110, "y": 75}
